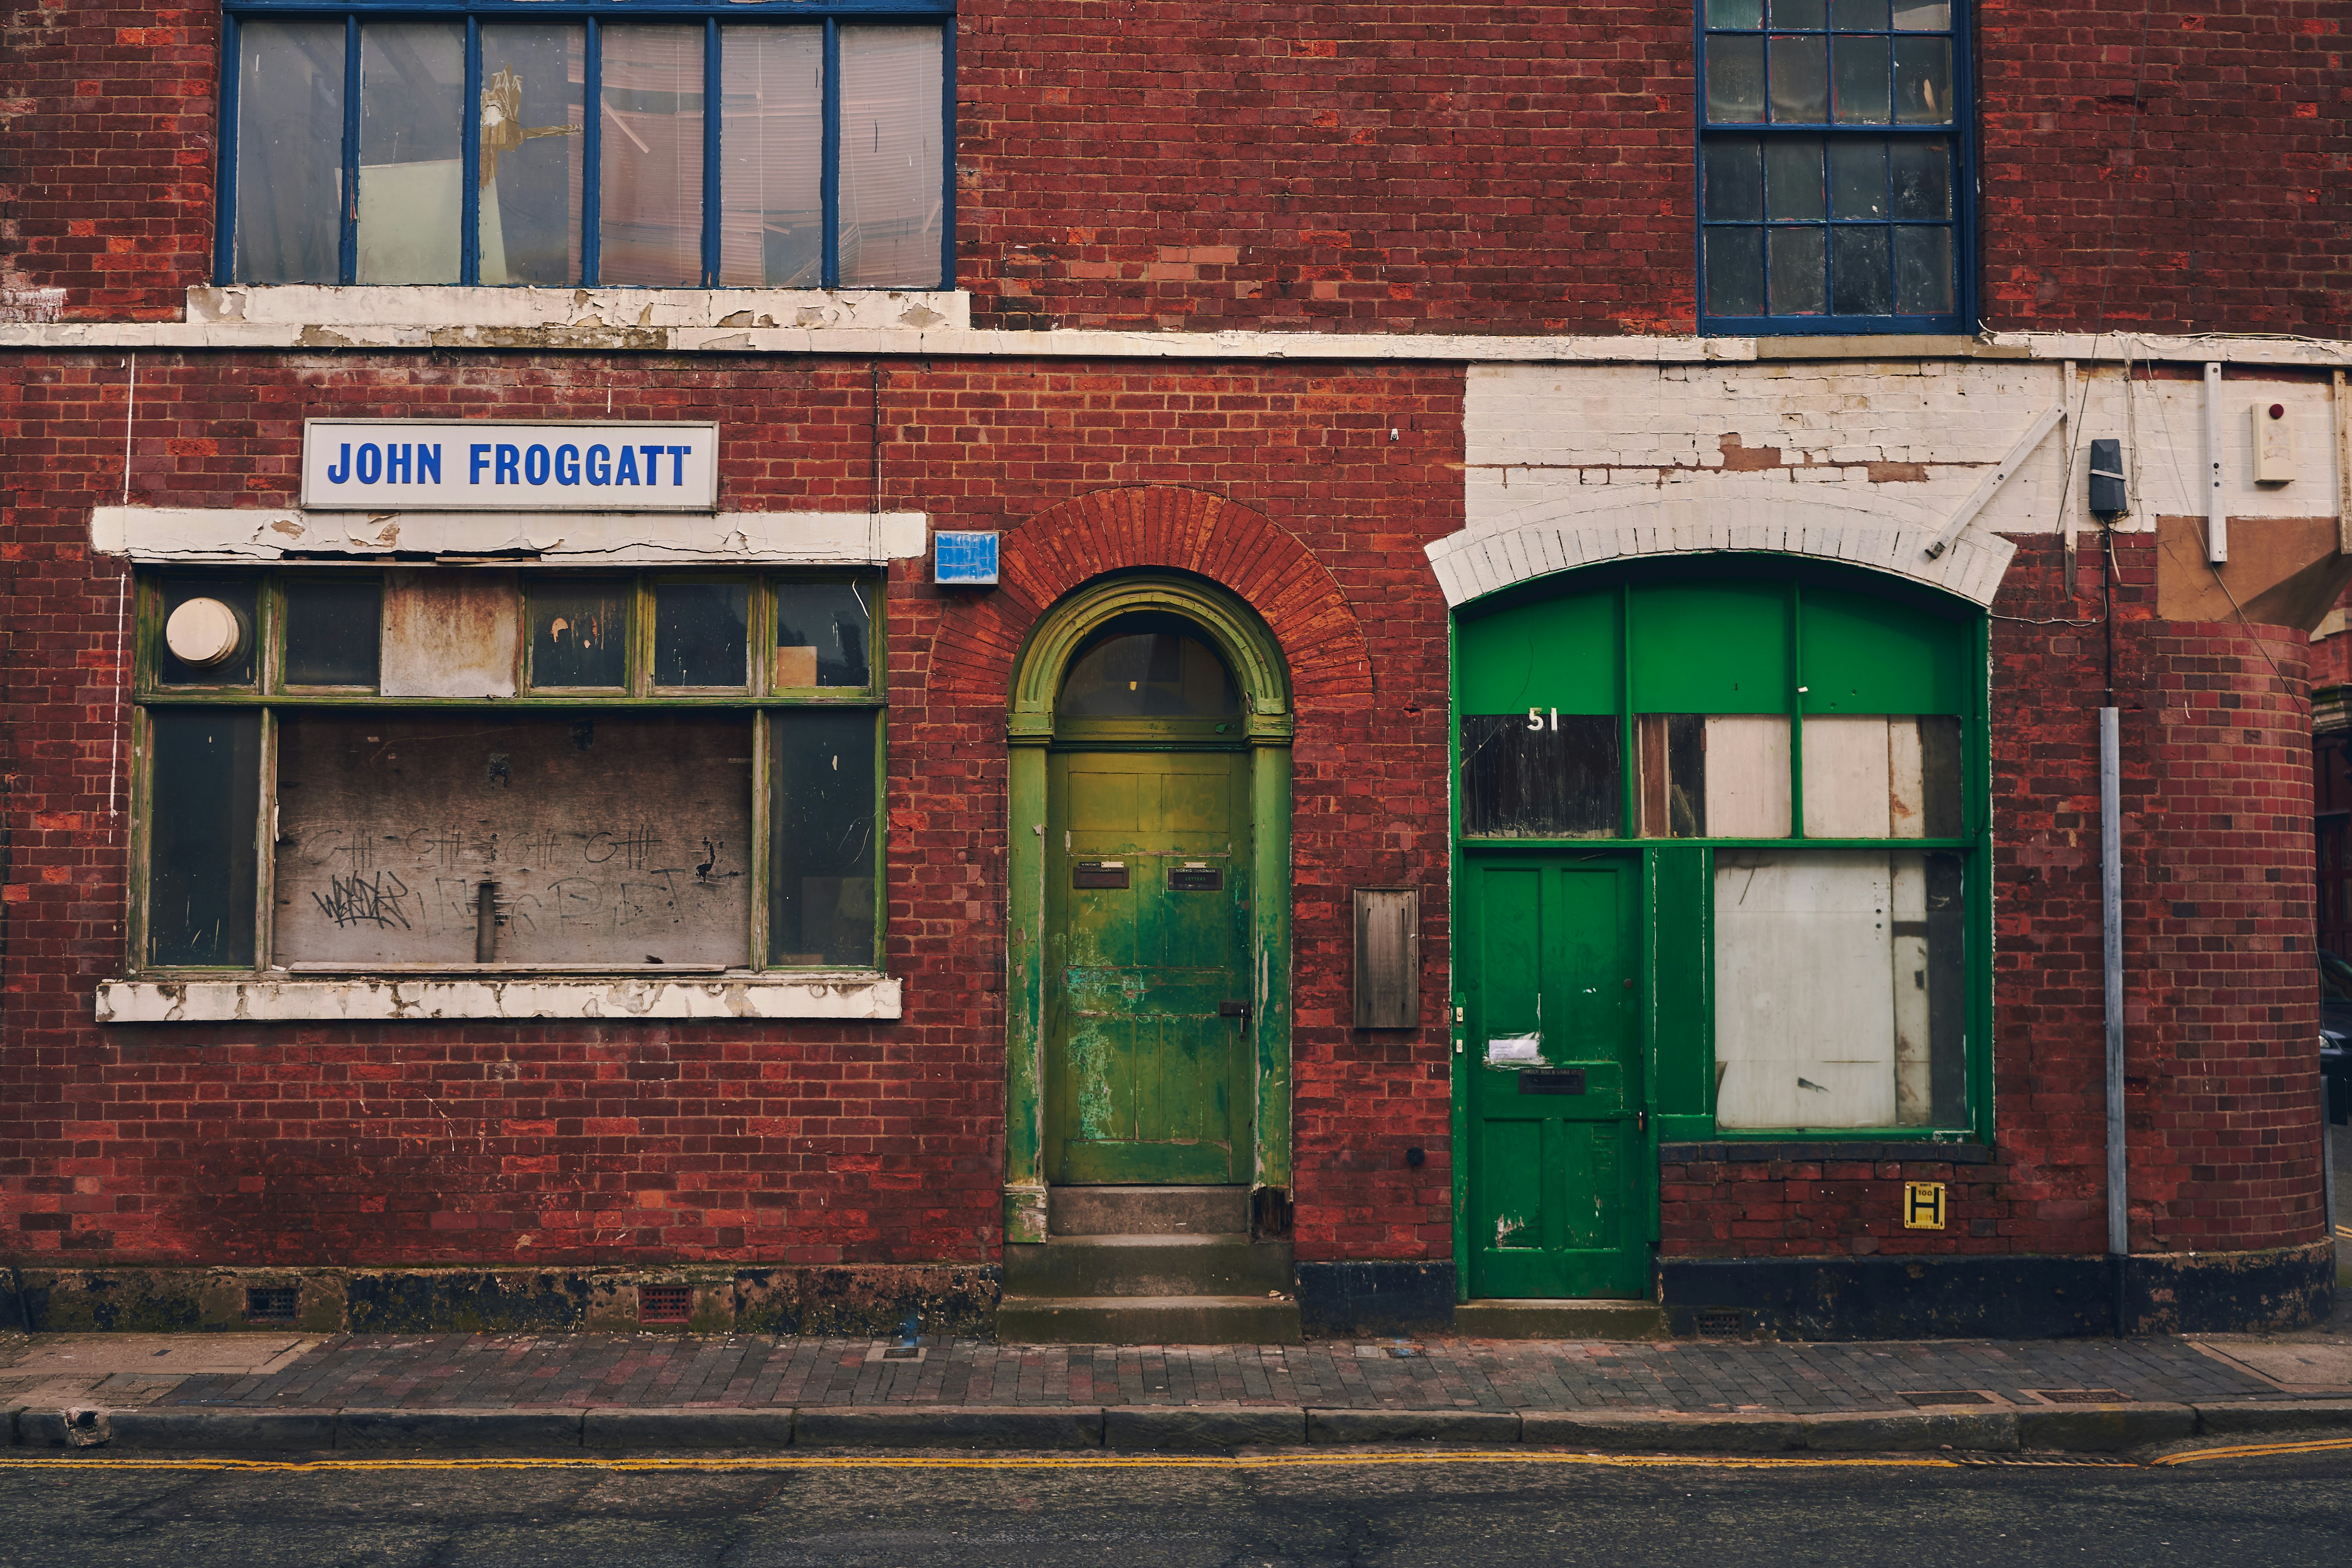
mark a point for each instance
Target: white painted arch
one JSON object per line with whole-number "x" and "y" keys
{"x": 1559, "y": 534}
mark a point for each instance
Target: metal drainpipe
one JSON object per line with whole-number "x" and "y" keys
{"x": 2111, "y": 919}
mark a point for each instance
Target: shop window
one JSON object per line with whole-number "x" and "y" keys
{"x": 444, "y": 769}
{"x": 1800, "y": 763}
{"x": 744, "y": 145}
{"x": 1833, "y": 165}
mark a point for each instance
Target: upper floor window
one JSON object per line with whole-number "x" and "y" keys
{"x": 1833, "y": 166}
{"x": 726, "y": 147}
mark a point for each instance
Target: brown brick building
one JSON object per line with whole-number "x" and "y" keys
{"x": 1479, "y": 510}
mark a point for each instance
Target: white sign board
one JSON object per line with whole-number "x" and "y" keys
{"x": 415, "y": 465}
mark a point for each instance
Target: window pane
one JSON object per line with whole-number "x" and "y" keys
{"x": 1792, "y": 178}
{"x": 1801, "y": 79}
{"x": 412, "y": 177}
{"x": 289, "y": 151}
{"x": 605, "y": 839}
{"x": 205, "y": 794}
{"x": 1858, "y": 279}
{"x": 701, "y": 634}
{"x": 1858, "y": 16}
{"x": 1923, "y": 82}
{"x": 1721, "y": 775}
{"x": 579, "y": 635}
{"x": 1857, "y": 179}
{"x": 821, "y": 874}
{"x": 1561, "y": 781}
{"x": 1735, "y": 180}
{"x": 334, "y": 630}
{"x": 1735, "y": 13}
{"x": 1860, "y": 69}
{"x": 772, "y": 142}
{"x": 1840, "y": 989}
{"x": 532, "y": 118}
{"x": 1149, "y": 666}
{"x": 236, "y": 594}
{"x": 1922, "y": 179}
{"x": 650, "y": 187}
{"x": 1923, "y": 15}
{"x": 1922, "y": 271}
{"x": 1796, "y": 271}
{"x": 1803, "y": 15}
{"x": 821, "y": 635}
{"x": 1735, "y": 80}
{"x": 1874, "y": 776}
{"x": 892, "y": 187}
{"x": 1735, "y": 271}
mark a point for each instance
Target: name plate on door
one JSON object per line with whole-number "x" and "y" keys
{"x": 1098, "y": 874}
{"x": 413, "y": 465}
{"x": 1196, "y": 879}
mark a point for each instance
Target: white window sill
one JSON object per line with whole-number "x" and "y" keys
{"x": 383, "y": 998}
{"x": 488, "y": 310}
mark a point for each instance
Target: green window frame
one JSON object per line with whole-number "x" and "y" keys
{"x": 683, "y": 676}
{"x": 1588, "y": 713}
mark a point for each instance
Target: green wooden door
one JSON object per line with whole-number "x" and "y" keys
{"x": 1552, "y": 1039}
{"x": 1146, "y": 944}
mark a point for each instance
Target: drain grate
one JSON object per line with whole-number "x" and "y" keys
{"x": 1720, "y": 1325}
{"x": 664, "y": 1303}
{"x": 270, "y": 1304}
{"x": 2081, "y": 1395}
{"x": 1948, "y": 1396}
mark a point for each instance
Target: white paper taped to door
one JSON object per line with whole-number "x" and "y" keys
{"x": 1515, "y": 1048}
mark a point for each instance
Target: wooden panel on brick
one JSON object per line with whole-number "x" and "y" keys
{"x": 612, "y": 840}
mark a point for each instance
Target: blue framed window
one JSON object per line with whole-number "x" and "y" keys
{"x": 1835, "y": 166}
{"x": 655, "y": 143}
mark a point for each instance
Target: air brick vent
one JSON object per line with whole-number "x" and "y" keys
{"x": 270, "y": 1304}
{"x": 664, "y": 1303}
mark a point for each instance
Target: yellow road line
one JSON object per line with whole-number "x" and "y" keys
{"x": 2258, "y": 1450}
{"x": 1003, "y": 1462}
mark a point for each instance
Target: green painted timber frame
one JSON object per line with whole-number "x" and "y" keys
{"x": 1251, "y": 652}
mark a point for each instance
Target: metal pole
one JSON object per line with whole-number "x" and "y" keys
{"x": 2111, "y": 920}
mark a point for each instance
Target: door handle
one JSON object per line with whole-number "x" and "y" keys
{"x": 1233, "y": 1009}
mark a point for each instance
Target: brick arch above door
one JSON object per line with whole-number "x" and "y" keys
{"x": 1164, "y": 527}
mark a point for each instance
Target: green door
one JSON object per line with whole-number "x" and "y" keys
{"x": 1147, "y": 943}
{"x": 1552, "y": 1044}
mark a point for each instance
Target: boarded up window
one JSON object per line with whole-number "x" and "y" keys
{"x": 610, "y": 840}
{"x": 200, "y": 855}
{"x": 1717, "y": 775}
{"x": 1879, "y": 777}
{"x": 1840, "y": 989}
{"x": 1541, "y": 776}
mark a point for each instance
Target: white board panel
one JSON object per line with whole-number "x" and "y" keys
{"x": 1804, "y": 1011}
{"x": 1845, "y": 776}
{"x": 1747, "y": 775}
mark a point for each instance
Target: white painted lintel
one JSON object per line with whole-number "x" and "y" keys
{"x": 196, "y": 535}
{"x": 853, "y": 995}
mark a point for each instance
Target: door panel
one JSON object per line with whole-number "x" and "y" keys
{"x": 1147, "y": 1080}
{"x": 1553, "y": 1079}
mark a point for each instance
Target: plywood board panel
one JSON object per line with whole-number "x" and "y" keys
{"x": 1747, "y": 790}
{"x": 450, "y": 634}
{"x": 612, "y": 841}
{"x": 1846, "y": 789}
{"x": 1804, "y": 1011}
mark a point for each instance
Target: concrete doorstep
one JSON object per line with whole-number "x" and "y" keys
{"x": 2075, "y": 1428}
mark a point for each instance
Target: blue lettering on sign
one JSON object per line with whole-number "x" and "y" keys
{"x": 653, "y": 464}
{"x": 627, "y": 472}
{"x": 508, "y": 457}
{"x": 678, "y": 463}
{"x": 534, "y": 465}
{"x": 481, "y": 458}
{"x": 600, "y": 465}
{"x": 567, "y": 465}
{"x": 428, "y": 463}
{"x": 371, "y": 463}
{"x": 396, "y": 468}
{"x": 341, "y": 470}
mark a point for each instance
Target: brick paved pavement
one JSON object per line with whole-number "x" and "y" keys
{"x": 522, "y": 1371}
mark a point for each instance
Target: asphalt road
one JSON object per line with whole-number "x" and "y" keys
{"x": 2276, "y": 1512}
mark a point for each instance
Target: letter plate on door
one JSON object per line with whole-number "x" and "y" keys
{"x": 1571, "y": 1081}
{"x": 1098, "y": 874}
{"x": 1196, "y": 879}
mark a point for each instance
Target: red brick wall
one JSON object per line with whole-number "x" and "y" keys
{"x": 1414, "y": 166}
{"x": 827, "y": 1142}
{"x": 2221, "y": 997}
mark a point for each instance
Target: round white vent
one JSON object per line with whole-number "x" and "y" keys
{"x": 203, "y": 633}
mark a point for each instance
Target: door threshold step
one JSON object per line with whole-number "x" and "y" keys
{"x": 1558, "y": 1318}
{"x": 1148, "y": 1321}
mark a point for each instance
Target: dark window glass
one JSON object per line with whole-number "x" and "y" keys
{"x": 1148, "y": 667}
{"x": 205, "y": 790}
{"x": 579, "y": 635}
{"x": 1545, "y": 776}
{"x": 1858, "y": 276}
{"x": 1801, "y": 79}
{"x": 1796, "y": 277}
{"x": 822, "y": 630}
{"x": 238, "y": 594}
{"x": 821, "y": 868}
{"x": 1792, "y": 178}
{"x": 1735, "y": 80}
{"x": 1735, "y": 190}
{"x": 701, "y": 634}
{"x": 1857, "y": 179}
{"x": 334, "y": 630}
{"x": 1735, "y": 271}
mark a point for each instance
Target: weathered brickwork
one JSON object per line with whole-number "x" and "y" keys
{"x": 804, "y": 1144}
